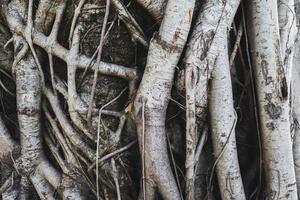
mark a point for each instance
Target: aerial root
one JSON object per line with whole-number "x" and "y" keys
{"x": 131, "y": 24}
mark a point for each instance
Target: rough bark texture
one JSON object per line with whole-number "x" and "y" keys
{"x": 149, "y": 99}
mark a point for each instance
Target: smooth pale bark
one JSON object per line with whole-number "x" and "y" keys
{"x": 153, "y": 96}
{"x": 296, "y": 112}
{"x": 273, "y": 100}
{"x": 222, "y": 114}
{"x": 206, "y": 52}
{"x": 288, "y": 31}
{"x": 296, "y": 100}
{"x": 223, "y": 120}
{"x": 42, "y": 187}
{"x": 74, "y": 100}
{"x": 212, "y": 24}
{"x": 203, "y": 39}
{"x": 70, "y": 132}
{"x": 69, "y": 165}
{"x": 197, "y": 68}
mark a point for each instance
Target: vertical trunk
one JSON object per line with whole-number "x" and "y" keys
{"x": 210, "y": 30}
{"x": 223, "y": 120}
{"x": 28, "y": 95}
{"x": 296, "y": 101}
{"x": 28, "y": 105}
{"x": 153, "y": 96}
{"x": 296, "y": 113}
{"x": 273, "y": 100}
{"x": 191, "y": 131}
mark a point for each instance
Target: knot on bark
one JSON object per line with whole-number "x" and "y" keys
{"x": 29, "y": 111}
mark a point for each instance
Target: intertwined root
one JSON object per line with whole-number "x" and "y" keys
{"x": 85, "y": 138}
{"x": 32, "y": 164}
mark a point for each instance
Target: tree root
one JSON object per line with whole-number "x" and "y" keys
{"x": 153, "y": 96}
